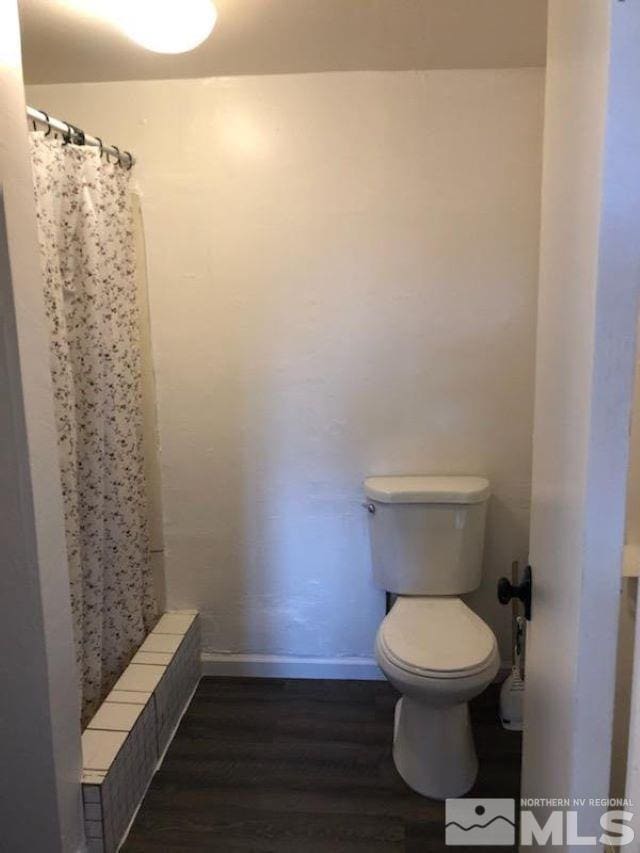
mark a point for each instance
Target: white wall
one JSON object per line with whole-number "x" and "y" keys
{"x": 40, "y": 805}
{"x": 342, "y": 273}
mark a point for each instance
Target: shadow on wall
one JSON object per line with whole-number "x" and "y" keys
{"x": 628, "y": 603}
{"x": 150, "y": 437}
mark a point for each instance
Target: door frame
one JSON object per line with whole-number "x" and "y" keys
{"x": 586, "y": 351}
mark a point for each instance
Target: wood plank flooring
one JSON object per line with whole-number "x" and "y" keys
{"x": 296, "y": 766}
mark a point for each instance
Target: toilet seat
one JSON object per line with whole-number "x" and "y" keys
{"x": 436, "y": 637}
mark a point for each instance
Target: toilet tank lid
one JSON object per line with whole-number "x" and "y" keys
{"x": 427, "y": 490}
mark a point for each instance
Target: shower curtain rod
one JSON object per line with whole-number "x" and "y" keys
{"x": 76, "y": 136}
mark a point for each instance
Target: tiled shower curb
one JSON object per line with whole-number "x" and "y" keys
{"x": 125, "y": 742}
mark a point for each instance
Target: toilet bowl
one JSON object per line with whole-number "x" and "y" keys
{"x": 427, "y": 536}
{"x": 438, "y": 654}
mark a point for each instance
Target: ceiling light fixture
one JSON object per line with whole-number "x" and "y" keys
{"x": 167, "y": 26}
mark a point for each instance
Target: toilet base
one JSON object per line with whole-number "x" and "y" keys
{"x": 433, "y": 748}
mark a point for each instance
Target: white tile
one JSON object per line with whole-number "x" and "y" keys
{"x": 162, "y": 658}
{"x": 140, "y": 677}
{"x": 91, "y": 786}
{"x": 116, "y": 716}
{"x": 99, "y": 748}
{"x": 92, "y": 811}
{"x": 161, "y": 643}
{"x": 93, "y": 828}
{"x": 129, "y": 697}
{"x": 174, "y": 623}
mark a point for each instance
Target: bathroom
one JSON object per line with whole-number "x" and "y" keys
{"x": 344, "y": 221}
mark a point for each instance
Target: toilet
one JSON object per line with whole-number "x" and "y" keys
{"x": 427, "y": 537}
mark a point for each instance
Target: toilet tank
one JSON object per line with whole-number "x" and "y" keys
{"x": 427, "y": 533}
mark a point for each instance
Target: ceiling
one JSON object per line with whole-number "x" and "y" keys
{"x": 63, "y": 44}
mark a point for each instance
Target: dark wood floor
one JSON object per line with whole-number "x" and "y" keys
{"x": 284, "y": 765}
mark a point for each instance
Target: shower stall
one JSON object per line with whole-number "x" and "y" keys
{"x": 137, "y": 668}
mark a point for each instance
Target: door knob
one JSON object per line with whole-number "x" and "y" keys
{"x": 521, "y": 591}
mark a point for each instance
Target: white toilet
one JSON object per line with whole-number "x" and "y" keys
{"x": 427, "y": 536}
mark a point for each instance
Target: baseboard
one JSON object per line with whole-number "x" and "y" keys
{"x": 289, "y": 666}
{"x": 284, "y": 666}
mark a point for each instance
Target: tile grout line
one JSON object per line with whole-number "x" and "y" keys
{"x": 99, "y": 776}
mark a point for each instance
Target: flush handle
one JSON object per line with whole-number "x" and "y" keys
{"x": 370, "y": 508}
{"x": 521, "y": 591}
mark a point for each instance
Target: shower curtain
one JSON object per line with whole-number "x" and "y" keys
{"x": 87, "y": 257}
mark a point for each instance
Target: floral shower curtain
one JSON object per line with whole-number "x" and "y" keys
{"x": 87, "y": 256}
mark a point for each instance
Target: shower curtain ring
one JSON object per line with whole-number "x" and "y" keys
{"x": 46, "y": 115}
{"x": 129, "y": 155}
{"x": 67, "y": 137}
{"x": 101, "y": 147}
{"x": 117, "y": 150}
